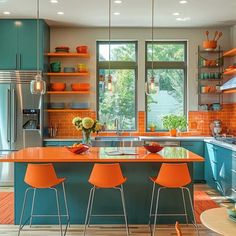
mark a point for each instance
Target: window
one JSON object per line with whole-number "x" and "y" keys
{"x": 121, "y": 101}
{"x": 169, "y": 70}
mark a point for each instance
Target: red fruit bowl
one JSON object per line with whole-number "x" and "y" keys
{"x": 153, "y": 149}
{"x": 78, "y": 150}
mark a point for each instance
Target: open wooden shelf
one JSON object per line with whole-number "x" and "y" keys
{"x": 68, "y": 92}
{"x": 67, "y": 74}
{"x": 230, "y": 53}
{"x": 68, "y": 54}
{"x": 230, "y": 72}
{"x": 67, "y": 110}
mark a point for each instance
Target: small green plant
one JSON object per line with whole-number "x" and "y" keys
{"x": 152, "y": 125}
{"x": 174, "y": 122}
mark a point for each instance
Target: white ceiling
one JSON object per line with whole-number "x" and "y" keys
{"x": 133, "y": 13}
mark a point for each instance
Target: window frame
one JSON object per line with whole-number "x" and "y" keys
{"x": 167, "y": 65}
{"x": 118, "y": 65}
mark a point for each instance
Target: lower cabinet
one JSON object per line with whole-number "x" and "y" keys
{"x": 198, "y": 168}
{"x": 219, "y": 170}
{"x": 57, "y": 143}
{"x": 233, "y": 170}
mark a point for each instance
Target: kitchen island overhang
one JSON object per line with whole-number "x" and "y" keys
{"x": 77, "y": 168}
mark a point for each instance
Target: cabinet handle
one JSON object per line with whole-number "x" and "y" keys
{"x": 14, "y": 114}
{"x": 234, "y": 171}
{"x": 215, "y": 162}
{"x": 20, "y": 62}
{"x": 8, "y": 114}
{"x": 16, "y": 62}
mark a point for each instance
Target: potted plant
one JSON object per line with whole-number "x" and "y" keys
{"x": 173, "y": 122}
{"x": 152, "y": 127}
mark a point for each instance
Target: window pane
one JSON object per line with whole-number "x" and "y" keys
{"x": 170, "y": 97}
{"x": 118, "y": 52}
{"x": 165, "y": 52}
{"x": 120, "y": 103}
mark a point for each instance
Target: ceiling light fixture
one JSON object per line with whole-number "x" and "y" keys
{"x": 118, "y": 1}
{"x": 116, "y": 13}
{"x": 183, "y": 1}
{"x": 53, "y": 1}
{"x": 150, "y": 88}
{"x": 60, "y": 13}
{"x": 175, "y": 14}
{"x": 6, "y": 13}
{"x": 38, "y": 85}
{"x": 183, "y": 19}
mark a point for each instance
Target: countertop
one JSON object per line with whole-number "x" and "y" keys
{"x": 61, "y": 154}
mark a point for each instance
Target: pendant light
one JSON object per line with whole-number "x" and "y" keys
{"x": 150, "y": 88}
{"x": 109, "y": 77}
{"x": 38, "y": 85}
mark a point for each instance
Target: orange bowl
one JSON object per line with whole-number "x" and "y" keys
{"x": 82, "y": 49}
{"x": 78, "y": 150}
{"x": 209, "y": 44}
{"x": 57, "y": 86}
{"x": 80, "y": 87}
{"x": 153, "y": 149}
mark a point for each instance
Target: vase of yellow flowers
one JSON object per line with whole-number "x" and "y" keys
{"x": 87, "y": 125}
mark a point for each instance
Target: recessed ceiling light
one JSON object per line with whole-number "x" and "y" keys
{"x": 53, "y": 1}
{"x": 118, "y": 1}
{"x": 176, "y": 14}
{"x": 60, "y": 13}
{"x": 183, "y": 1}
{"x": 116, "y": 13}
{"x": 183, "y": 19}
{"x": 6, "y": 13}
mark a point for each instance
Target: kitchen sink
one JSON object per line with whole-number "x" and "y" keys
{"x": 117, "y": 141}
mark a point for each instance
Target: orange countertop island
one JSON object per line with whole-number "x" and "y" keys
{"x": 95, "y": 154}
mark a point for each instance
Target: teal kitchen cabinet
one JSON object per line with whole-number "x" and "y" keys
{"x": 218, "y": 168}
{"x": 18, "y": 44}
{"x": 233, "y": 174}
{"x": 198, "y": 168}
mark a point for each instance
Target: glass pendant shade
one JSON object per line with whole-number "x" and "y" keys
{"x": 109, "y": 83}
{"x": 38, "y": 85}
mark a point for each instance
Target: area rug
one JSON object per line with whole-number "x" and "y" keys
{"x": 202, "y": 202}
{"x": 6, "y": 207}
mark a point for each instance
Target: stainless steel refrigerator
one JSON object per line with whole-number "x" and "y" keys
{"x": 21, "y": 118}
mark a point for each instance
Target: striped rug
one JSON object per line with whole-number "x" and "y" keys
{"x": 202, "y": 202}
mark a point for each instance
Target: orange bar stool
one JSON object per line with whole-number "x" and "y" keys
{"x": 178, "y": 229}
{"x": 42, "y": 176}
{"x": 106, "y": 176}
{"x": 171, "y": 176}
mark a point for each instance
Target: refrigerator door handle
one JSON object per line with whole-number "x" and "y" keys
{"x": 8, "y": 115}
{"x": 14, "y": 115}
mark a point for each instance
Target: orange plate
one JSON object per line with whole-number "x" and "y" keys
{"x": 78, "y": 150}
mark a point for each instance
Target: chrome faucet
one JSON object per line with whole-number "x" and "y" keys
{"x": 117, "y": 124}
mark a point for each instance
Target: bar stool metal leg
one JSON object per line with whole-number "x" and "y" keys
{"x": 32, "y": 207}
{"x": 155, "y": 217}
{"x": 58, "y": 210}
{"x": 66, "y": 206}
{"x": 150, "y": 212}
{"x": 91, "y": 206}
{"x": 191, "y": 204}
{"x": 185, "y": 211}
{"x": 124, "y": 209}
{"x": 22, "y": 211}
{"x": 88, "y": 209}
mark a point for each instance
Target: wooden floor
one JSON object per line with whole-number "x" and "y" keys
{"x": 141, "y": 230}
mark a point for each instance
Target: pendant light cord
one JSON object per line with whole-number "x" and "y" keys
{"x": 109, "y": 35}
{"x": 37, "y": 40}
{"x": 152, "y": 33}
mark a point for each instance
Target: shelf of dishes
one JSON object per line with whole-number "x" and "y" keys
{"x": 68, "y": 106}
{"x": 67, "y": 110}
{"x": 67, "y": 74}
{"x": 68, "y": 54}
{"x": 210, "y": 89}
{"x": 210, "y": 107}
{"x": 210, "y": 76}
{"x": 231, "y": 70}
{"x": 59, "y": 87}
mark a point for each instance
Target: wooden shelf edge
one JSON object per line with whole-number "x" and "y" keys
{"x": 68, "y": 54}
{"x": 230, "y": 53}
{"x": 67, "y": 74}
{"x": 230, "y": 91}
{"x": 68, "y": 92}
{"x": 68, "y": 110}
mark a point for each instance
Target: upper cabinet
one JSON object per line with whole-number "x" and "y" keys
{"x": 18, "y": 44}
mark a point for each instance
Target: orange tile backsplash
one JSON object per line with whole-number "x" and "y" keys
{"x": 199, "y": 123}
